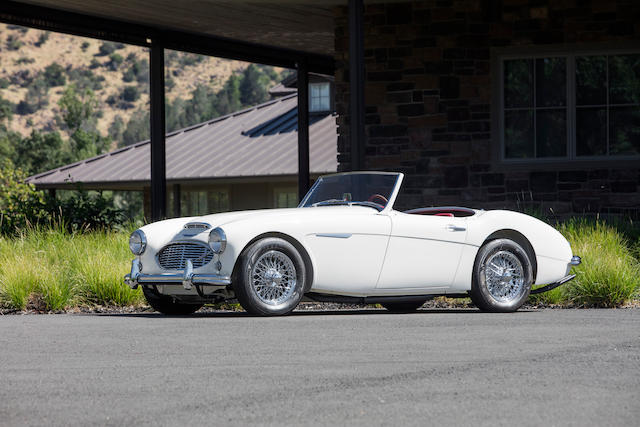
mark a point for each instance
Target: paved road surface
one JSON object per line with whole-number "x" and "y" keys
{"x": 439, "y": 367}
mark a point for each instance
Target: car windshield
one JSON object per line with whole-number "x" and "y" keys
{"x": 364, "y": 189}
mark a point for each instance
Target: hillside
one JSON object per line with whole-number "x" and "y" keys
{"x": 36, "y": 66}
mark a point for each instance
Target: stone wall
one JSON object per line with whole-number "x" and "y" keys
{"x": 428, "y": 95}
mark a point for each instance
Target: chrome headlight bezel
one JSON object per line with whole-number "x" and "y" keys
{"x": 138, "y": 242}
{"x": 217, "y": 240}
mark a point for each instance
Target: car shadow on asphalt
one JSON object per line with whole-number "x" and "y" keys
{"x": 241, "y": 314}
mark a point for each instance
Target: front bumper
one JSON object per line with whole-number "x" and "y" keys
{"x": 187, "y": 278}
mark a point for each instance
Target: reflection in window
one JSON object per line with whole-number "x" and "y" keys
{"x": 286, "y": 198}
{"x": 319, "y": 97}
{"x": 605, "y": 110}
{"x": 193, "y": 203}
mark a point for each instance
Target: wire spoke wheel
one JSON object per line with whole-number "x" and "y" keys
{"x": 504, "y": 275}
{"x": 273, "y": 277}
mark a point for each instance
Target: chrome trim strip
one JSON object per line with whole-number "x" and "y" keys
{"x": 335, "y": 235}
{"x": 554, "y": 285}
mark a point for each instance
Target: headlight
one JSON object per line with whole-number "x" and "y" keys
{"x": 138, "y": 242}
{"x": 217, "y": 240}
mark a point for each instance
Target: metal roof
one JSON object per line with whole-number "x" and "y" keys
{"x": 261, "y": 141}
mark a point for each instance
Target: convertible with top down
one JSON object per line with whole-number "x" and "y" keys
{"x": 345, "y": 242}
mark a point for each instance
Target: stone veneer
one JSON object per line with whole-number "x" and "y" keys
{"x": 428, "y": 101}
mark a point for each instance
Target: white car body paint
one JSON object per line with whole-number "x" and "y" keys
{"x": 359, "y": 251}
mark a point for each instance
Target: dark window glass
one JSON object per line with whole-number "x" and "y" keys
{"x": 624, "y": 130}
{"x": 518, "y": 83}
{"x": 591, "y": 80}
{"x": 624, "y": 79}
{"x": 518, "y": 134}
{"x": 591, "y": 131}
{"x": 551, "y": 82}
{"x": 551, "y": 133}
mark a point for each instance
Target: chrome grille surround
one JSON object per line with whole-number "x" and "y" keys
{"x": 197, "y": 226}
{"x": 174, "y": 256}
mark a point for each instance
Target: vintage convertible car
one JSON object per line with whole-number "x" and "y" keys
{"x": 346, "y": 243}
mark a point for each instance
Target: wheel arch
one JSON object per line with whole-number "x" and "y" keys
{"x": 520, "y": 239}
{"x": 299, "y": 247}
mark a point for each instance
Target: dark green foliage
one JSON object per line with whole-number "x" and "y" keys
{"x": 42, "y": 38}
{"x": 25, "y": 60}
{"x": 4, "y": 83}
{"x": 77, "y": 106}
{"x": 106, "y": 48}
{"x": 85, "y": 79}
{"x": 40, "y": 152}
{"x": 116, "y": 129}
{"x": 139, "y": 71}
{"x": 115, "y": 59}
{"x": 84, "y": 210}
{"x": 36, "y": 98}
{"x": 13, "y": 43}
{"x": 84, "y": 46}
{"x": 130, "y": 93}
{"x": 137, "y": 129}
{"x": 83, "y": 144}
{"x": 6, "y": 110}
{"x": 94, "y": 64}
{"x": 54, "y": 75}
{"x": 253, "y": 86}
{"x": 20, "y": 203}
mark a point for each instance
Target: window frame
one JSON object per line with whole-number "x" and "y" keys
{"x": 330, "y": 101}
{"x": 570, "y": 52}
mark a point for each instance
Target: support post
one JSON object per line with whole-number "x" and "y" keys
{"x": 303, "y": 128}
{"x": 158, "y": 156}
{"x": 356, "y": 83}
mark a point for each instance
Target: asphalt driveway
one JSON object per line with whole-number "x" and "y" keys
{"x": 548, "y": 367}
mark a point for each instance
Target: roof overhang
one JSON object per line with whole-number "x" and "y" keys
{"x": 279, "y": 33}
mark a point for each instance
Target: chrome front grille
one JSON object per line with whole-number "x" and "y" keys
{"x": 175, "y": 255}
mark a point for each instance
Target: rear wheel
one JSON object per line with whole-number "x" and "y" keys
{"x": 271, "y": 278}
{"x": 502, "y": 276}
{"x": 403, "y": 307}
{"x": 167, "y": 305}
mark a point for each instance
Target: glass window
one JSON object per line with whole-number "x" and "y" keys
{"x": 193, "y": 203}
{"x": 286, "y": 197}
{"x": 537, "y": 112}
{"x": 535, "y": 108}
{"x": 319, "y": 97}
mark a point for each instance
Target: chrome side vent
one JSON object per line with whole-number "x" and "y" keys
{"x": 198, "y": 226}
{"x": 175, "y": 255}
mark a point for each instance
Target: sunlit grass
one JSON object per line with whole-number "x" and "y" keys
{"x": 64, "y": 270}
{"x": 609, "y": 275}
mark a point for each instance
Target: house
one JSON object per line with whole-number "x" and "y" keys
{"x": 245, "y": 160}
{"x": 484, "y": 103}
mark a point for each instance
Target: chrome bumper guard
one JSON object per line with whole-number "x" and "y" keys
{"x": 575, "y": 260}
{"x": 187, "y": 278}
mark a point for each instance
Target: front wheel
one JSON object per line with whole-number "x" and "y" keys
{"x": 502, "y": 276}
{"x": 166, "y": 305}
{"x": 271, "y": 278}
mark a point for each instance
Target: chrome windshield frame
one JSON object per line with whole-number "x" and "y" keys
{"x": 392, "y": 198}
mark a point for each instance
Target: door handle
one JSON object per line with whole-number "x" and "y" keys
{"x": 452, "y": 227}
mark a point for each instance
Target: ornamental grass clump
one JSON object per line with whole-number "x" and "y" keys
{"x": 53, "y": 269}
{"x": 609, "y": 275}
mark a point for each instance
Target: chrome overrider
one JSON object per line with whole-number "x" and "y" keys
{"x": 187, "y": 278}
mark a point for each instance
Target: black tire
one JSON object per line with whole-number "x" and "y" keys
{"x": 403, "y": 307}
{"x": 252, "y": 288}
{"x": 502, "y": 297}
{"x": 166, "y": 305}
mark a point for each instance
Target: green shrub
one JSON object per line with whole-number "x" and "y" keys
{"x": 115, "y": 59}
{"x": 130, "y": 93}
{"x": 106, "y": 48}
{"x": 53, "y": 269}
{"x": 20, "y": 203}
{"x": 84, "y": 46}
{"x": 609, "y": 273}
{"x": 54, "y": 75}
{"x": 42, "y": 38}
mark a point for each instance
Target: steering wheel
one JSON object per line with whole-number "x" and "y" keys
{"x": 375, "y": 197}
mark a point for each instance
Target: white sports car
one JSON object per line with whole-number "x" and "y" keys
{"x": 346, "y": 243}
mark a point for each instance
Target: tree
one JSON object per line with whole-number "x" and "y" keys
{"x": 6, "y": 110}
{"x": 253, "y": 90}
{"x": 137, "y": 129}
{"x": 54, "y": 75}
{"x": 39, "y": 152}
{"x": 130, "y": 93}
{"x": 77, "y": 107}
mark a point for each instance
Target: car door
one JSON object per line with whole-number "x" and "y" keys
{"x": 423, "y": 251}
{"x": 348, "y": 250}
